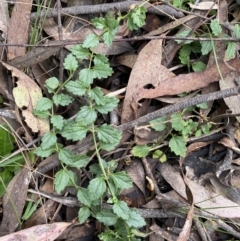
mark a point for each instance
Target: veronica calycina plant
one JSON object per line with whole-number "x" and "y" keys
{"x": 121, "y": 222}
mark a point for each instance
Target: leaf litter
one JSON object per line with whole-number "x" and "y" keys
{"x": 192, "y": 186}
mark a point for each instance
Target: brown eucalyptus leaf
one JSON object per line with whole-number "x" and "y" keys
{"x": 18, "y": 29}
{"x": 187, "y": 82}
{"x": 147, "y": 70}
{"x": 15, "y": 195}
{"x": 45, "y": 232}
{"x": 26, "y": 95}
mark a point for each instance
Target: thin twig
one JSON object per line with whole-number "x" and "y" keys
{"x": 103, "y": 8}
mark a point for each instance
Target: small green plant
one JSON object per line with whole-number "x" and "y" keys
{"x": 121, "y": 222}
{"x": 180, "y": 129}
{"x": 205, "y": 47}
{"x": 182, "y": 4}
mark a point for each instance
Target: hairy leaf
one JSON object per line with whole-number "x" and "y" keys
{"x": 74, "y": 131}
{"x": 76, "y": 88}
{"x": 62, "y": 99}
{"x": 48, "y": 140}
{"x": 44, "y": 104}
{"x": 107, "y": 217}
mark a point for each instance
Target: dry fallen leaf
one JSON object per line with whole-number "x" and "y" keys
{"x": 203, "y": 198}
{"x": 45, "y": 232}
{"x": 26, "y": 95}
{"x": 147, "y": 70}
{"x": 18, "y": 29}
{"x": 15, "y": 194}
{"x": 186, "y": 82}
{"x": 204, "y": 5}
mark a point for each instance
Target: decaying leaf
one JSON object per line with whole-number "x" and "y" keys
{"x": 18, "y": 29}
{"x": 203, "y": 198}
{"x": 186, "y": 82}
{"x": 45, "y": 232}
{"x": 204, "y": 5}
{"x": 15, "y": 194}
{"x": 232, "y": 102}
{"x": 26, "y": 95}
{"x": 147, "y": 70}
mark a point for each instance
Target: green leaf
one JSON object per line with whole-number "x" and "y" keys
{"x": 121, "y": 180}
{"x": 57, "y": 121}
{"x": 108, "y": 134}
{"x": 96, "y": 94}
{"x": 83, "y": 197}
{"x": 66, "y": 156}
{"x": 91, "y": 41}
{"x": 137, "y": 16}
{"x": 231, "y": 51}
{"x": 51, "y": 84}
{"x": 184, "y": 34}
{"x": 203, "y": 106}
{"x": 96, "y": 188}
{"x": 158, "y": 124}
{"x": 236, "y": 30}
{"x": 198, "y": 66}
{"x": 159, "y": 155}
{"x": 108, "y": 37}
{"x": 45, "y": 152}
{"x": 101, "y": 70}
{"x": 178, "y": 145}
{"x": 190, "y": 127}
{"x": 215, "y": 27}
{"x": 121, "y": 209}
{"x": 86, "y": 115}
{"x": 100, "y": 58}
{"x": 184, "y": 54}
{"x": 135, "y": 220}
{"x": 80, "y": 161}
{"x": 99, "y": 23}
{"x": 83, "y": 214}
{"x": 86, "y": 76}
{"x": 110, "y": 103}
{"x": 70, "y": 63}
{"x": 206, "y": 47}
{"x": 48, "y": 140}
{"x": 140, "y": 151}
{"x": 74, "y": 131}
{"x": 61, "y": 180}
{"x": 76, "y": 88}
{"x": 62, "y": 99}
{"x": 177, "y": 121}
{"x": 44, "y": 104}
{"x": 80, "y": 52}
{"x": 107, "y": 218}
{"x": 111, "y": 22}
{"x": 6, "y": 140}
{"x": 5, "y": 176}
{"x": 41, "y": 114}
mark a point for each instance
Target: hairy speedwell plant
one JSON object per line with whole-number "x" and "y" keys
{"x": 121, "y": 222}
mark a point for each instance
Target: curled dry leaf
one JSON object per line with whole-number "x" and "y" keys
{"x": 45, "y": 232}
{"x": 26, "y": 95}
